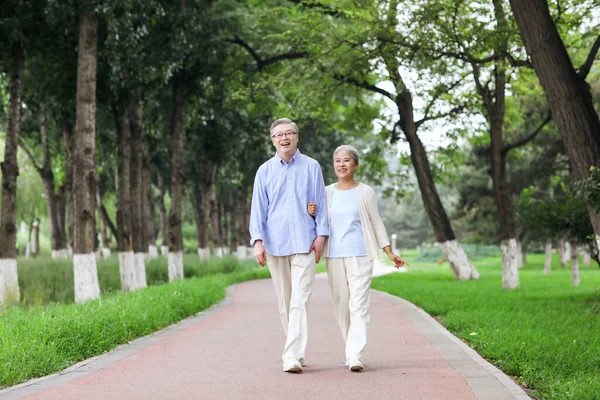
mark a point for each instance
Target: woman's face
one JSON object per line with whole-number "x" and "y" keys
{"x": 344, "y": 165}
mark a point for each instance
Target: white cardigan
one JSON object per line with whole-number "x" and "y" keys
{"x": 373, "y": 230}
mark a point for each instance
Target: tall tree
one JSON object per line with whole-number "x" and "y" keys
{"x": 567, "y": 92}
{"x": 84, "y": 167}
{"x": 9, "y": 284}
{"x": 127, "y": 265}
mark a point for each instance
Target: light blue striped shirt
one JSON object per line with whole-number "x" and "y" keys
{"x": 281, "y": 194}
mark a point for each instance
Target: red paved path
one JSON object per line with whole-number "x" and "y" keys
{"x": 235, "y": 354}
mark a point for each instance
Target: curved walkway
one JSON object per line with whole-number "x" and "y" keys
{"x": 232, "y": 351}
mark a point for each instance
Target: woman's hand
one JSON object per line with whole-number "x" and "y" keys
{"x": 312, "y": 209}
{"x": 398, "y": 262}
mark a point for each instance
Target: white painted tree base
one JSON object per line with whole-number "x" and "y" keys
{"x": 598, "y": 242}
{"x": 61, "y": 254}
{"x": 520, "y": 259}
{"x": 9, "y": 281}
{"x": 241, "y": 253}
{"x": 218, "y": 252}
{"x": 548, "y": 260}
{"x": 575, "y": 265}
{"x": 204, "y": 253}
{"x": 85, "y": 274}
{"x": 127, "y": 271}
{"x": 510, "y": 263}
{"x": 567, "y": 250}
{"x": 140, "y": 270}
{"x": 587, "y": 257}
{"x": 458, "y": 260}
{"x": 175, "y": 265}
{"x": 152, "y": 251}
{"x": 164, "y": 250}
{"x": 250, "y": 252}
{"x": 106, "y": 252}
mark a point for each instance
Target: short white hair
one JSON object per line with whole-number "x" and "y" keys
{"x": 281, "y": 121}
{"x": 350, "y": 149}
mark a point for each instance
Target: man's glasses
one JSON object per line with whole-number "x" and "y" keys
{"x": 283, "y": 134}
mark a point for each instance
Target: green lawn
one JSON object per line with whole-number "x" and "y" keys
{"x": 37, "y": 340}
{"x": 545, "y": 334}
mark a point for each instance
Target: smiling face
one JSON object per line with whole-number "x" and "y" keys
{"x": 287, "y": 144}
{"x": 344, "y": 165}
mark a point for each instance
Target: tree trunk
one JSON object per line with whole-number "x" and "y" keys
{"x": 57, "y": 236}
{"x": 548, "y": 260}
{"x": 9, "y": 283}
{"x": 105, "y": 244}
{"x": 567, "y": 92}
{"x": 127, "y": 266}
{"x": 233, "y": 221}
{"x": 574, "y": 263}
{"x": 459, "y": 262}
{"x": 138, "y": 225}
{"x": 35, "y": 237}
{"x": 84, "y": 168}
{"x": 214, "y": 224}
{"x": 203, "y": 233}
{"x": 242, "y": 225}
{"x": 202, "y": 221}
{"x": 149, "y": 228}
{"x": 67, "y": 128}
{"x": 177, "y": 179}
{"x": 561, "y": 253}
{"x": 587, "y": 258}
{"x": 61, "y": 220}
{"x": 164, "y": 248}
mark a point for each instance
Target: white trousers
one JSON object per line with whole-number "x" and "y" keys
{"x": 293, "y": 278}
{"x": 350, "y": 282}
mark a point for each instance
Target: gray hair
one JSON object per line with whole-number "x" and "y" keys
{"x": 283, "y": 121}
{"x": 350, "y": 149}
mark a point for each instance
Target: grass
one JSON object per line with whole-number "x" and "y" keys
{"x": 38, "y": 341}
{"x": 544, "y": 334}
{"x": 44, "y": 280}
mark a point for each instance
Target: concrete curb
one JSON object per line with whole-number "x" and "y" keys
{"x": 102, "y": 361}
{"x": 486, "y": 380}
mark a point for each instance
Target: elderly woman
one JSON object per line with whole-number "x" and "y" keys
{"x": 357, "y": 236}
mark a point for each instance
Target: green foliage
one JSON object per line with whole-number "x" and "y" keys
{"x": 42, "y": 340}
{"x": 544, "y": 334}
{"x": 558, "y": 213}
{"x": 589, "y": 190}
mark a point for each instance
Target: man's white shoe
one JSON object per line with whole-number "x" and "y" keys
{"x": 355, "y": 365}
{"x": 292, "y": 365}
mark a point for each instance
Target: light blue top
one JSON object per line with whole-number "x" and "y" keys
{"x": 346, "y": 238}
{"x": 281, "y": 194}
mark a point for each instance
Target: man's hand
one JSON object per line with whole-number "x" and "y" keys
{"x": 312, "y": 209}
{"x": 317, "y": 246}
{"x": 260, "y": 255}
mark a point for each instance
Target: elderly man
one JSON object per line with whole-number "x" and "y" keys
{"x": 284, "y": 236}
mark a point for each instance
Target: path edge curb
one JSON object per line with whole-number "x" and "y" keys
{"x": 513, "y": 388}
{"x": 110, "y": 357}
